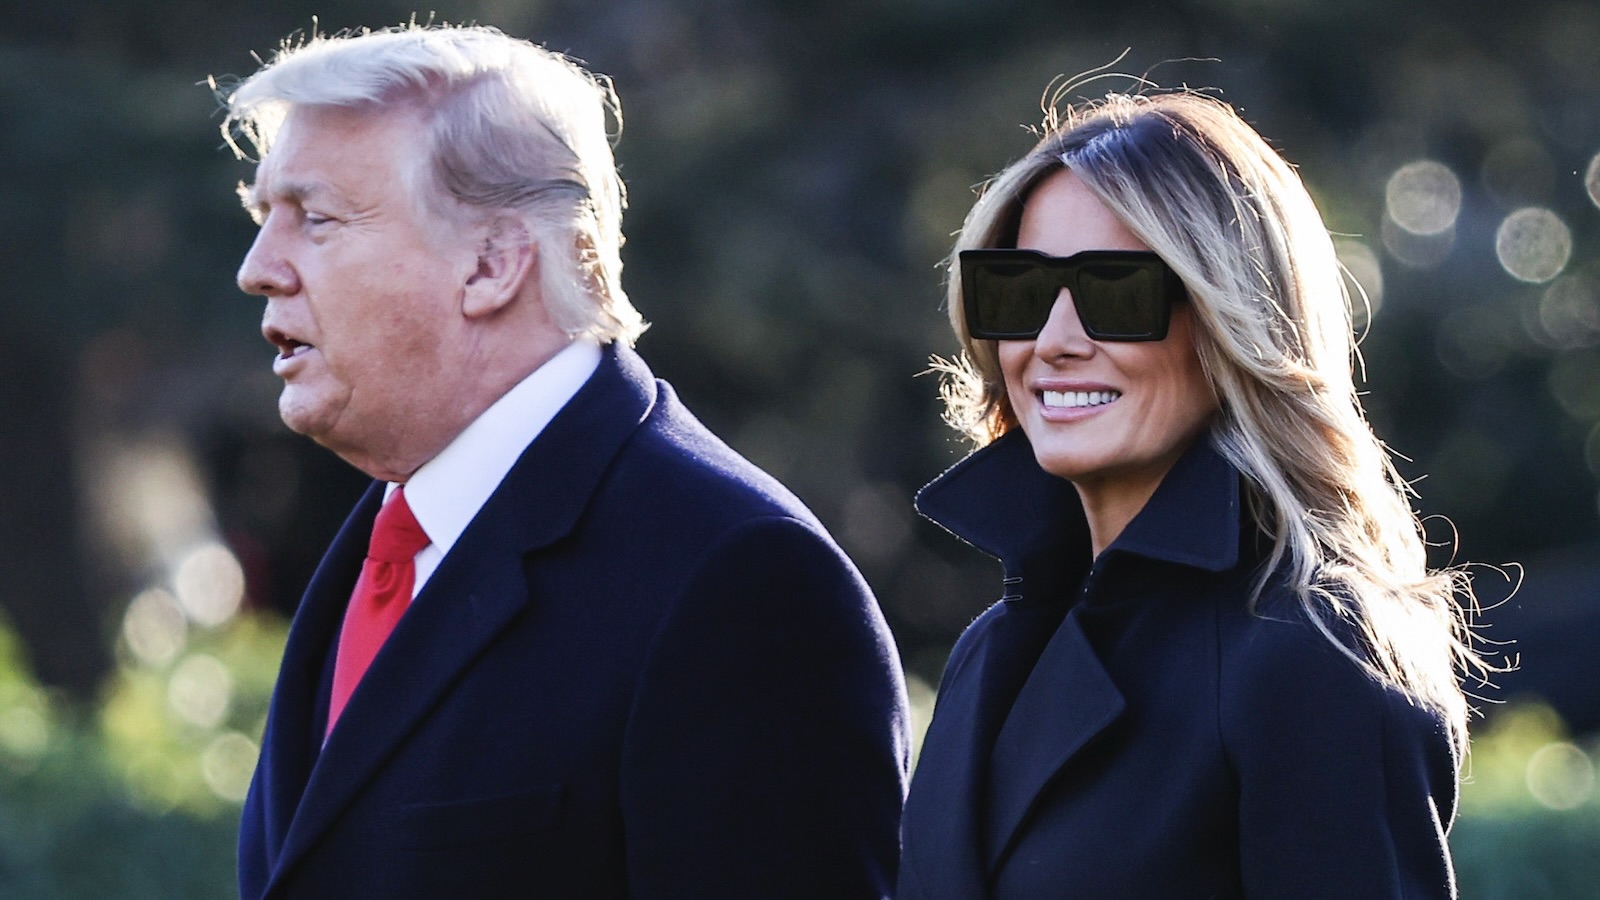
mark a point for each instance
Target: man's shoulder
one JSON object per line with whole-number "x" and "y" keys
{"x": 626, "y": 446}
{"x": 680, "y": 504}
{"x": 668, "y": 442}
{"x": 676, "y": 461}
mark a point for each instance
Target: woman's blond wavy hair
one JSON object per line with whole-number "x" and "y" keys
{"x": 1273, "y": 334}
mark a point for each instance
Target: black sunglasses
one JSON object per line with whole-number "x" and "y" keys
{"x": 1120, "y": 295}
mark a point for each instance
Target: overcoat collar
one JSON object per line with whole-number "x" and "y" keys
{"x": 1000, "y": 501}
{"x": 476, "y": 592}
{"x": 1002, "y": 731}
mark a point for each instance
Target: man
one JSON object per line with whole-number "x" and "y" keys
{"x": 624, "y": 663}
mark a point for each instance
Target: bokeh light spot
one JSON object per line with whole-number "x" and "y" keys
{"x": 1362, "y": 267}
{"x": 154, "y": 628}
{"x": 1575, "y": 383}
{"x": 210, "y": 585}
{"x": 1533, "y": 244}
{"x": 24, "y": 733}
{"x": 1569, "y": 313}
{"x": 1419, "y": 251}
{"x": 1423, "y": 197}
{"x": 200, "y": 690}
{"x": 152, "y": 499}
{"x": 227, "y": 764}
{"x": 1591, "y": 180}
{"x": 1560, "y": 775}
{"x": 1591, "y": 450}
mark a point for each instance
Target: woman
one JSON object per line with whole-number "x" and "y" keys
{"x": 1221, "y": 667}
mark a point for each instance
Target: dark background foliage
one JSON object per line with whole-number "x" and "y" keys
{"x": 796, "y": 171}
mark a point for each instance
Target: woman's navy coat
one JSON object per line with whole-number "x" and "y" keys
{"x": 1131, "y": 729}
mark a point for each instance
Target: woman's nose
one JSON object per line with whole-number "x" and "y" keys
{"x": 1063, "y": 334}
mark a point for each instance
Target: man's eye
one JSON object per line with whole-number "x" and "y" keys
{"x": 314, "y": 219}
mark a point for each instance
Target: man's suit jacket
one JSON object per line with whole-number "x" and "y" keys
{"x": 1133, "y": 727}
{"x": 644, "y": 671}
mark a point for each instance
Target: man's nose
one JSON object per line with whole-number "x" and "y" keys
{"x": 266, "y": 270}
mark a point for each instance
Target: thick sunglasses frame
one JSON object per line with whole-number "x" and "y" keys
{"x": 1104, "y": 313}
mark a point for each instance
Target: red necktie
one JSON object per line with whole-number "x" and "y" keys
{"x": 382, "y": 594}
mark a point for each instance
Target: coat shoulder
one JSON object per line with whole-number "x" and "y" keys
{"x": 675, "y": 465}
{"x": 1290, "y": 688}
{"x": 1276, "y": 657}
{"x": 1332, "y": 763}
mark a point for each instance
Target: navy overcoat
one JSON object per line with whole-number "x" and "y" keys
{"x": 1126, "y": 727}
{"x": 644, "y": 671}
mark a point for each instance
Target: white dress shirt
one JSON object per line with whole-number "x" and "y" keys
{"x": 447, "y": 492}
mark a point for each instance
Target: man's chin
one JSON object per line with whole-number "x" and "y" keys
{"x": 307, "y": 414}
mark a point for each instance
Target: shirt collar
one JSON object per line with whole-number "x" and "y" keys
{"x": 446, "y": 493}
{"x": 1001, "y": 502}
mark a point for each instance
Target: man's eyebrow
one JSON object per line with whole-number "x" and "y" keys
{"x": 291, "y": 191}
{"x": 295, "y": 192}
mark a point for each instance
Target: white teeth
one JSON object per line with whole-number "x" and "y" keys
{"x": 1078, "y": 399}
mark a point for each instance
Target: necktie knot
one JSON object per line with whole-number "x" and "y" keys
{"x": 396, "y": 535}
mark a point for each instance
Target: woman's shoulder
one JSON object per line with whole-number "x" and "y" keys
{"x": 1276, "y": 637}
{"x": 1297, "y": 672}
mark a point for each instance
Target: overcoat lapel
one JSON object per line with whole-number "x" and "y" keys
{"x": 476, "y": 592}
{"x": 299, "y": 707}
{"x": 1042, "y": 733}
{"x": 1001, "y": 502}
{"x": 956, "y": 751}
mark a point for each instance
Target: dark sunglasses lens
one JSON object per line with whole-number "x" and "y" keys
{"x": 1010, "y": 299}
{"x": 1125, "y": 301}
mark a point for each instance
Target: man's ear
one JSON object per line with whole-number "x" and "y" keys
{"x": 507, "y": 258}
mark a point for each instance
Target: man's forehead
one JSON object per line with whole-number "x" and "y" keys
{"x": 315, "y": 145}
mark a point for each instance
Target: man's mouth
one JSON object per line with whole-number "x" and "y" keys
{"x": 1077, "y": 399}
{"x": 288, "y": 347}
